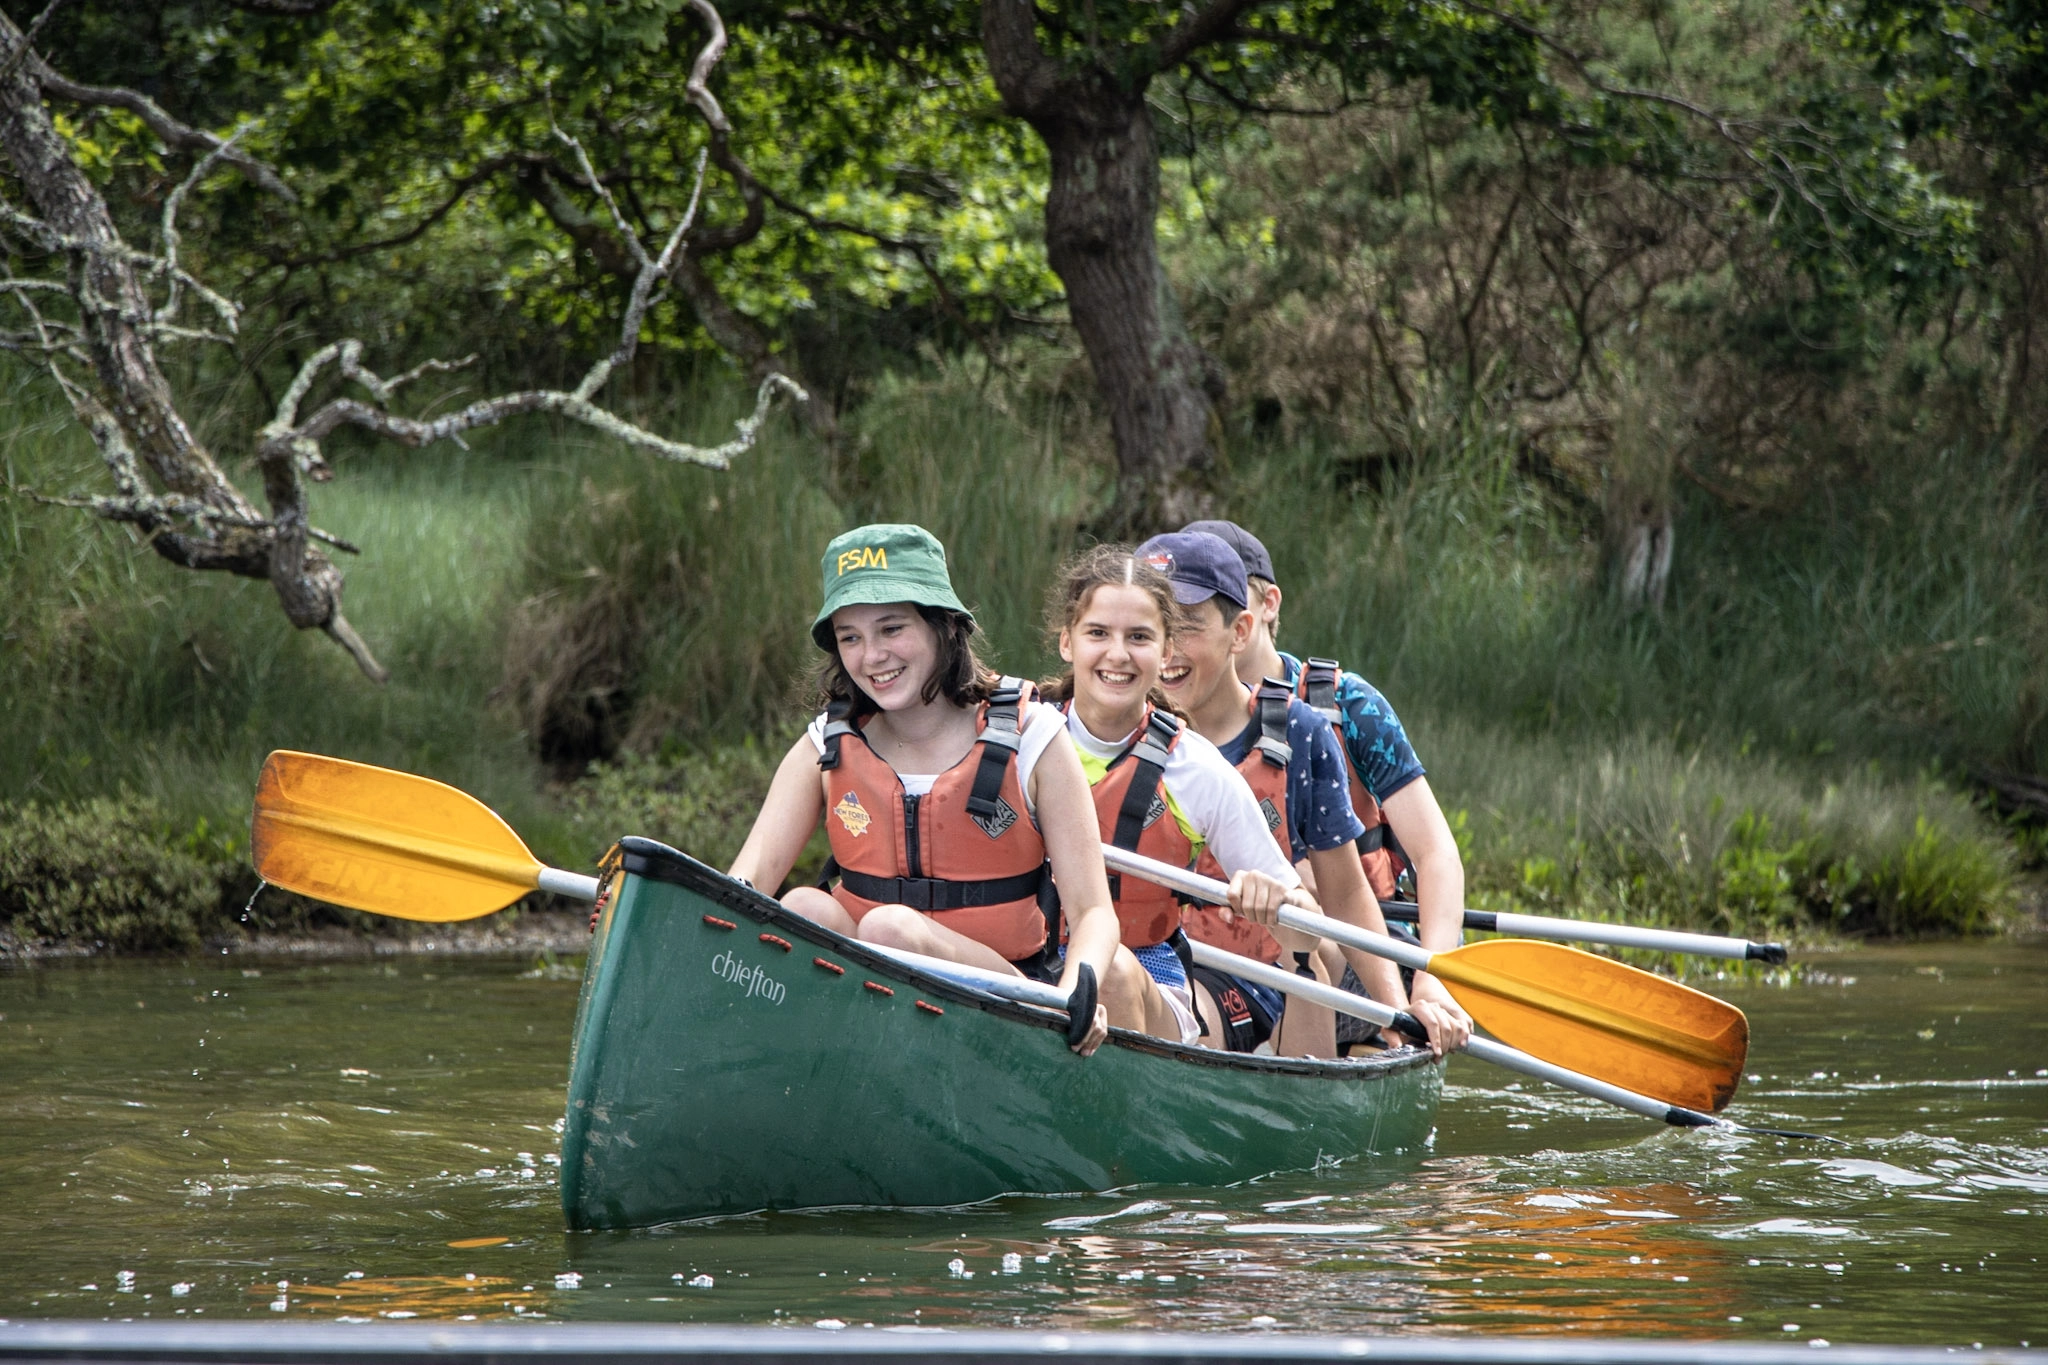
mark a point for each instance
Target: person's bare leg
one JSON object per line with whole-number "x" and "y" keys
{"x": 1212, "y": 1017}
{"x": 899, "y": 926}
{"x": 1306, "y": 1028}
{"x": 819, "y": 907}
{"x": 1134, "y": 1001}
{"x": 1131, "y": 997}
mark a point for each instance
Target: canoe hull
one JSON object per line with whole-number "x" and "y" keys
{"x": 717, "y": 1071}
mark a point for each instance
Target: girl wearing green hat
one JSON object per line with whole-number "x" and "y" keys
{"x": 949, "y": 807}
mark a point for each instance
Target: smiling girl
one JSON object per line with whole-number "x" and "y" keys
{"x": 947, "y": 803}
{"x": 1160, "y": 789}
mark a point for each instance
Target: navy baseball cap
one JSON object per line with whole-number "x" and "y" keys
{"x": 1257, "y": 562}
{"x": 1201, "y": 566}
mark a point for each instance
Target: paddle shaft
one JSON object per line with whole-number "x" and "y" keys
{"x": 575, "y": 885}
{"x": 1373, "y": 1012}
{"x": 1592, "y": 931}
{"x": 1216, "y": 893}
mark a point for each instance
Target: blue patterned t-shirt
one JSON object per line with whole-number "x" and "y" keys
{"x": 1373, "y": 735}
{"x": 1319, "y": 814}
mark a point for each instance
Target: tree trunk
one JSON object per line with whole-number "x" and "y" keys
{"x": 1645, "y": 558}
{"x": 130, "y": 408}
{"x": 1101, "y": 238}
{"x": 112, "y": 305}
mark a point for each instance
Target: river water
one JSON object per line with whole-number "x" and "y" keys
{"x": 222, "y": 1138}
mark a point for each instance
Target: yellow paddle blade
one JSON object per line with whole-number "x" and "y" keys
{"x": 1628, "y": 1027}
{"x": 383, "y": 841}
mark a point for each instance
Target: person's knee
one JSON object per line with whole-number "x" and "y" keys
{"x": 819, "y": 907}
{"x": 894, "y": 926}
{"x": 1124, "y": 990}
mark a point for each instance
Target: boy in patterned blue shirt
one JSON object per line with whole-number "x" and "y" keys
{"x": 1408, "y": 821}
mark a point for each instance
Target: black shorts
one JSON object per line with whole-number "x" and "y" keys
{"x": 1246, "y": 1020}
{"x": 1042, "y": 966}
{"x": 1353, "y": 1031}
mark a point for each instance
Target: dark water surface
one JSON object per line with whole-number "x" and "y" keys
{"x": 374, "y": 1139}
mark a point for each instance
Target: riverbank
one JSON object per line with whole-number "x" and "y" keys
{"x": 544, "y": 935}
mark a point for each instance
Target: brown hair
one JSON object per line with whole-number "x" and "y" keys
{"x": 1075, "y": 584}
{"x": 961, "y": 677}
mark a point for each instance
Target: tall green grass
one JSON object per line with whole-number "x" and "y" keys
{"x": 126, "y": 674}
{"x": 1898, "y": 617}
{"x": 704, "y": 584}
{"x": 1760, "y": 755}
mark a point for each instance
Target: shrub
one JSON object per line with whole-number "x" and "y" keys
{"x": 700, "y": 802}
{"x": 110, "y": 872}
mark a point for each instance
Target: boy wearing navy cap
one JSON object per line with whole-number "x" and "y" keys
{"x": 1292, "y": 759}
{"x": 1406, "y": 828}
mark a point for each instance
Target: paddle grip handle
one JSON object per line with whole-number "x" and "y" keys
{"x": 1408, "y": 1026}
{"x": 1081, "y": 1005}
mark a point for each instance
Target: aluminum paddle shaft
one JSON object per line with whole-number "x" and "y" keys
{"x": 1593, "y": 931}
{"x": 1630, "y": 1028}
{"x": 1373, "y": 1012}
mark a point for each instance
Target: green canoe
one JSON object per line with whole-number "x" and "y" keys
{"x": 731, "y": 1056}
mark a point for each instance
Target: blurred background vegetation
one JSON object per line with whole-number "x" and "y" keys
{"x": 1471, "y": 370}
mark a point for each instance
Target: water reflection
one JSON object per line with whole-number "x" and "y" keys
{"x": 358, "y": 1141}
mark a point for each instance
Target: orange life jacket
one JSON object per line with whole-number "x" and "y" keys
{"x": 1265, "y": 769}
{"x": 1381, "y": 853}
{"x": 966, "y": 852}
{"x": 1133, "y": 816}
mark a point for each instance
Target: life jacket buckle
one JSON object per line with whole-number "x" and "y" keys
{"x": 1319, "y": 679}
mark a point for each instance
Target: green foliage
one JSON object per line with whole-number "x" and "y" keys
{"x": 110, "y": 872}
{"x": 667, "y": 602}
{"x": 1743, "y": 761}
{"x": 1934, "y": 884}
{"x": 1979, "y": 68}
{"x": 1636, "y": 831}
{"x": 704, "y": 802}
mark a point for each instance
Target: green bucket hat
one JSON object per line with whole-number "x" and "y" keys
{"x": 886, "y": 562}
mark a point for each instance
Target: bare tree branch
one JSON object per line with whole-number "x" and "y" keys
{"x": 300, "y": 8}
{"x": 95, "y": 332}
{"x": 28, "y": 40}
{"x": 1198, "y": 28}
{"x": 169, "y": 130}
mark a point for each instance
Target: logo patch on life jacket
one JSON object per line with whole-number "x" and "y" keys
{"x": 852, "y": 814}
{"x": 1155, "y": 810}
{"x": 1272, "y": 814}
{"x": 997, "y": 823}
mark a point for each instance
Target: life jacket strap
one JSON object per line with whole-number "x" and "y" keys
{"x": 1049, "y": 905}
{"x": 1381, "y": 836}
{"x": 1271, "y": 708}
{"x": 999, "y": 741}
{"x": 1185, "y": 951}
{"x": 1162, "y": 731}
{"x": 930, "y": 893}
{"x": 1319, "y": 687}
{"x": 837, "y": 727}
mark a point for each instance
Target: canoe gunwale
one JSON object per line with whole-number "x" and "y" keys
{"x": 655, "y": 861}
